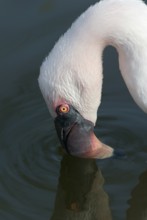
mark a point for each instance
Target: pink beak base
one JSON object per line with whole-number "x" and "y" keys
{"x": 87, "y": 145}
{"x": 97, "y": 149}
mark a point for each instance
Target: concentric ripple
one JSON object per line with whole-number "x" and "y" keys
{"x": 29, "y": 159}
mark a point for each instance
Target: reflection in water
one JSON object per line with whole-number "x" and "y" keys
{"x": 29, "y": 160}
{"x": 80, "y": 193}
{"x": 138, "y": 202}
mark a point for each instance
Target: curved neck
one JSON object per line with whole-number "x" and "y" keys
{"x": 73, "y": 70}
{"x": 122, "y": 24}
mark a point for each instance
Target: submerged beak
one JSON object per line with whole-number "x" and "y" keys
{"x": 78, "y": 138}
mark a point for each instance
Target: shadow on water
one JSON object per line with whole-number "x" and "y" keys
{"x": 80, "y": 193}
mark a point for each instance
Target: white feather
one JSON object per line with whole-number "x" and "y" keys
{"x": 73, "y": 70}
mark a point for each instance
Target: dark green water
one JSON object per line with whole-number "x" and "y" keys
{"x": 38, "y": 182}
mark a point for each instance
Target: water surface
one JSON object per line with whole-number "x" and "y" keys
{"x": 37, "y": 181}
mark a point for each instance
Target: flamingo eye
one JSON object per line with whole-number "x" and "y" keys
{"x": 64, "y": 108}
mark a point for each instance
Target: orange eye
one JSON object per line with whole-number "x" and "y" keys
{"x": 64, "y": 108}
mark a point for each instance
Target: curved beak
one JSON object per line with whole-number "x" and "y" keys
{"x": 78, "y": 139}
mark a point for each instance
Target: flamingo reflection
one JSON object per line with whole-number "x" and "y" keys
{"x": 80, "y": 193}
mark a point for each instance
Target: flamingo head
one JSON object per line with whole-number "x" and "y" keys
{"x": 71, "y": 88}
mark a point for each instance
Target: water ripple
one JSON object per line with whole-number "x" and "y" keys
{"x": 29, "y": 158}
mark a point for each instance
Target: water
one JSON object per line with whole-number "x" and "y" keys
{"x": 36, "y": 180}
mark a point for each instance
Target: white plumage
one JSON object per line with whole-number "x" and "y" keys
{"x": 72, "y": 72}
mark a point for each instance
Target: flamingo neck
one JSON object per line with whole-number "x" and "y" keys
{"x": 73, "y": 70}
{"x": 119, "y": 23}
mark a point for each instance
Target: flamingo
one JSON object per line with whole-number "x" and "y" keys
{"x": 71, "y": 76}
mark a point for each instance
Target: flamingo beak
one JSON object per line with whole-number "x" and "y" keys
{"x": 78, "y": 138}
